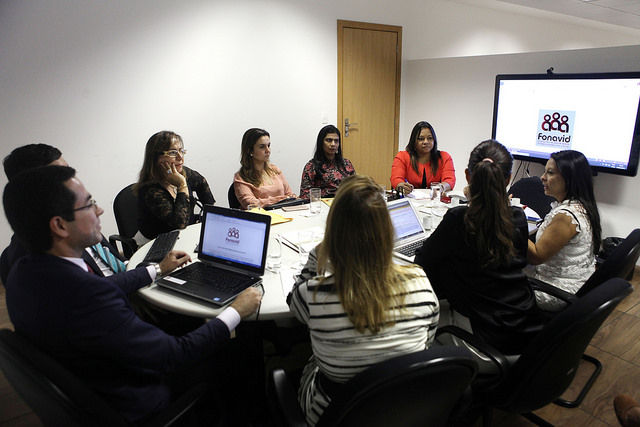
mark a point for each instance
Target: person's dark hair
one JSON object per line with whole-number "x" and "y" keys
{"x": 247, "y": 172}
{"x": 151, "y": 172}
{"x": 29, "y": 156}
{"x": 413, "y": 153}
{"x": 34, "y": 197}
{"x": 488, "y": 216}
{"x": 319, "y": 157}
{"x": 578, "y": 177}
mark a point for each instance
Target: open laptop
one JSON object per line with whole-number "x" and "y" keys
{"x": 232, "y": 247}
{"x": 408, "y": 227}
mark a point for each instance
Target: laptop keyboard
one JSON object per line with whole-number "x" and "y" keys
{"x": 222, "y": 280}
{"x": 410, "y": 249}
{"x": 161, "y": 246}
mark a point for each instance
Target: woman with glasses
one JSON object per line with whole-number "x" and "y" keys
{"x": 422, "y": 163}
{"x": 259, "y": 182}
{"x": 165, "y": 188}
{"x": 327, "y": 168}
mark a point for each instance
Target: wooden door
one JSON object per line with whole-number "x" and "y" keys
{"x": 369, "y": 58}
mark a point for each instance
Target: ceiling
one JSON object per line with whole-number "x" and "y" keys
{"x": 625, "y": 13}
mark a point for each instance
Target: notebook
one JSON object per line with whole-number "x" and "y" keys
{"x": 232, "y": 248}
{"x": 408, "y": 227}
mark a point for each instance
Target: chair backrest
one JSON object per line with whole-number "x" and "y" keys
{"x": 417, "y": 389}
{"x": 125, "y": 210}
{"x": 530, "y": 191}
{"x": 233, "y": 200}
{"x": 620, "y": 263}
{"x": 55, "y": 395}
{"x": 548, "y": 364}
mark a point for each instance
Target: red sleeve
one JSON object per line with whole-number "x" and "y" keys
{"x": 448, "y": 171}
{"x": 400, "y": 168}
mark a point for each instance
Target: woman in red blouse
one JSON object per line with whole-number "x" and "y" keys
{"x": 422, "y": 163}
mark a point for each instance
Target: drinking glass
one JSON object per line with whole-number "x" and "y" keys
{"x": 436, "y": 191}
{"x": 315, "y": 200}
{"x": 305, "y": 245}
{"x": 437, "y": 212}
{"x": 274, "y": 254}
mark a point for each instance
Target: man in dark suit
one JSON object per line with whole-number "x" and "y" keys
{"x": 86, "y": 321}
{"x": 35, "y": 155}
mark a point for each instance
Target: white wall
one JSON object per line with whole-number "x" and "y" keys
{"x": 462, "y": 91}
{"x": 96, "y": 79}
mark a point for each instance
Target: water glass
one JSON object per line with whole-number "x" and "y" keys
{"x": 274, "y": 254}
{"x": 315, "y": 200}
{"x": 438, "y": 212}
{"x": 305, "y": 245}
{"x": 436, "y": 191}
{"x": 383, "y": 189}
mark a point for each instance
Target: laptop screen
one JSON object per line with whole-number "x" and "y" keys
{"x": 405, "y": 221}
{"x": 234, "y": 238}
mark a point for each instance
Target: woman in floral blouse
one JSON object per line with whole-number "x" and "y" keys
{"x": 165, "y": 188}
{"x": 328, "y": 168}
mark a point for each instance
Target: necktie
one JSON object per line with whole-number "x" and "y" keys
{"x": 116, "y": 265}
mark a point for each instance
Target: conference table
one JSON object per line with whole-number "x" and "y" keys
{"x": 276, "y": 285}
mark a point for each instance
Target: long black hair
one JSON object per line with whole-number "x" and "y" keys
{"x": 319, "y": 157}
{"x": 575, "y": 169}
{"x": 434, "y": 158}
{"x": 489, "y": 216}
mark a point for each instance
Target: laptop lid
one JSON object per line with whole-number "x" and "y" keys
{"x": 234, "y": 239}
{"x": 406, "y": 222}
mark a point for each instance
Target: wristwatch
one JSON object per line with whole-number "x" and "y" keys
{"x": 158, "y": 270}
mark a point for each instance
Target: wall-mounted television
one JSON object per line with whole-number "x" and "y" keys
{"x": 535, "y": 115}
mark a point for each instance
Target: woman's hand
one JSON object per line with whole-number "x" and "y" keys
{"x": 172, "y": 176}
{"x": 405, "y": 187}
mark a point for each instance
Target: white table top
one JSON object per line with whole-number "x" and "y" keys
{"x": 276, "y": 285}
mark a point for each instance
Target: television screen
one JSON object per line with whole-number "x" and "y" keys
{"x": 535, "y": 115}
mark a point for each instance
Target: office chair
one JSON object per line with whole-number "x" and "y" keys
{"x": 415, "y": 389}
{"x": 234, "y": 203}
{"x": 125, "y": 210}
{"x": 547, "y": 366}
{"x": 621, "y": 264}
{"x": 59, "y": 398}
{"x": 531, "y": 193}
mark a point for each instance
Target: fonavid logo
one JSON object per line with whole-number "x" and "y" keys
{"x": 555, "y": 129}
{"x": 233, "y": 235}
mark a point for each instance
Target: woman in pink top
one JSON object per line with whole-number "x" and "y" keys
{"x": 258, "y": 182}
{"x": 422, "y": 163}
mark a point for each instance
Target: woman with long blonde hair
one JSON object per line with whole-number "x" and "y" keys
{"x": 360, "y": 307}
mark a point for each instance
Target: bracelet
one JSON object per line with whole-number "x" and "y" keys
{"x": 158, "y": 270}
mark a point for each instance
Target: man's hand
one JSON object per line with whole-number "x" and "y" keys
{"x": 247, "y": 302}
{"x": 173, "y": 260}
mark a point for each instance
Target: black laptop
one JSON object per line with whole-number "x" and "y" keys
{"x": 232, "y": 255}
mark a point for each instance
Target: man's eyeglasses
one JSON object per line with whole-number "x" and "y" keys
{"x": 174, "y": 153}
{"x": 92, "y": 204}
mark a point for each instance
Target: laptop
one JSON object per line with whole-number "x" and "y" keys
{"x": 408, "y": 228}
{"x": 232, "y": 248}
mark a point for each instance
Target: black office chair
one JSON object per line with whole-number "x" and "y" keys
{"x": 415, "y": 389}
{"x": 530, "y": 191}
{"x": 619, "y": 264}
{"x": 547, "y": 366}
{"x": 59, "y": 398}
{"x": 234, "y": 203}
{"x": 125, "y": 210}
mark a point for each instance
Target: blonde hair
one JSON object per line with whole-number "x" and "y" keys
{"x": 358, "y": 244}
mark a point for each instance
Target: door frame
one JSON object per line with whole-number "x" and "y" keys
{"x": 376, "y": 27}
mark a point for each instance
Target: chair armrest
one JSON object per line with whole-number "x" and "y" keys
{"x": 129, "y": 246}
{"x": 496, "y": 357}
{"x": 540, "y": 286}
{"x": 283, "y": 400}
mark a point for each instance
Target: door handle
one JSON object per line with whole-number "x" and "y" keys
{"x": 347, "y": 125}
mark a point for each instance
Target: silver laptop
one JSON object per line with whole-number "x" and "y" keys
{"x": 408, "y": 227}
{"x": 232, "y": 253}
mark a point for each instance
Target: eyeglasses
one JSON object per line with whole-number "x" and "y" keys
{"x": 174, "y": 153}
{"x": 92, "y": 204}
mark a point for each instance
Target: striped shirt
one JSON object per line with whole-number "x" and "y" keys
{"x": 339, "y": 351}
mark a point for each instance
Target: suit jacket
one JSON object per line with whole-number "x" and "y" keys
{"x": 17, "y": 250}
{"x": 87, "y": 324}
